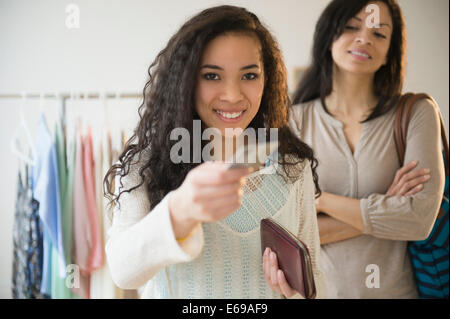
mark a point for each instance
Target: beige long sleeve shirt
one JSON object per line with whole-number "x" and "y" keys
{"x": 352, "y": 267}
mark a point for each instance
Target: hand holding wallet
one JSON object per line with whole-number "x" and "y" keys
{"x": 292, "y": 254}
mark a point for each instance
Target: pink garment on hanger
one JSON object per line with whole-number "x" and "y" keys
{"x": 96, "y": 253}
{"x": 82, "y": 237}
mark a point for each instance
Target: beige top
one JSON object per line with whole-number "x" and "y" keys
{"x": 389, "y": 221}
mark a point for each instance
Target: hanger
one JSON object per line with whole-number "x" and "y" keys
{"x": 70, "y": 127}
{"x": 41, "y": 102}
{"x": 15, "y": 143}
{"x": 77, "y": 122}
{"x": 61, "y": 109}
{"x": 122, "y": 133}
{"x": 103, "y": 99}
{"x": 61, "y": 114}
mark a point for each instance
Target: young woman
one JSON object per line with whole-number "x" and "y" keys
{"x": 345, "y": 112}
{"x": 191, "y": 230}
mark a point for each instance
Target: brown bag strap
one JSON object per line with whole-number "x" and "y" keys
{"x": 402, "y": 115}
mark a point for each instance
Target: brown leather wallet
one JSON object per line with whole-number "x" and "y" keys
{"x": 292, "y": 254}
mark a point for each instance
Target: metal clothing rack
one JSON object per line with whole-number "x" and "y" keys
{"x": 76, "y": 95}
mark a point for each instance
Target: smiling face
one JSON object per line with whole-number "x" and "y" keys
{"x": 360, "y": 48}
{"x": 230, "y": 82}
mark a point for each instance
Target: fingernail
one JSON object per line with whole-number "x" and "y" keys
{"x": 426, "y": 170}
{"x": 415, "y": 162}
{"x": 427, "y": 176}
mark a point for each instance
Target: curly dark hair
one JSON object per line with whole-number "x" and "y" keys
{"x": 388, "y": 80}
{"x": 169, "y": 103}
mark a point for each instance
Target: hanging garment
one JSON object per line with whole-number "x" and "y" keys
{"x": 69, "y": 210}
{"x": 27, "y": 243}
{"x": 96, "y": 253}
{"x": 82, "y": 237}
{"x": 46, "y": 191}
{"x": 102, "y": 286}
{"x": 60, "y": 288}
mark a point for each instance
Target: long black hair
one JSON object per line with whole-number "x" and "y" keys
{"x": 388, "y": 80}
{"x": 169, "y": 102}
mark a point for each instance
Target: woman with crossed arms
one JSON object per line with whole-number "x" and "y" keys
{"x": 345, "y": 108}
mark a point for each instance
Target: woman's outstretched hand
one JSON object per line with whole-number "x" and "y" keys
{"x": 274, "y": 275}
{"x": 409, "y": 181}
{"x": 210, "y": 192}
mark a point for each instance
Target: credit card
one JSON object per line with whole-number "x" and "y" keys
{"x": 253, "y": 155}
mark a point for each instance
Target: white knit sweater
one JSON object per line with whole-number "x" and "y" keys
{"x": 221, "y": 259}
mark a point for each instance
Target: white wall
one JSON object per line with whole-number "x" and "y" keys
{"x": 117, "y": 41}
{"x": 427, "y": 70}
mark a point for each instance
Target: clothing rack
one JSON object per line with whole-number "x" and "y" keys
{"x": 76, "y": 95}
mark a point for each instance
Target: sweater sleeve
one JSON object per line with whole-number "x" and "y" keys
{"x": 412, "y": 217}
{"x": 142, "y": 242}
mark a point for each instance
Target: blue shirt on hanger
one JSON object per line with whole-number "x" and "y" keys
{"x": 46, "y": 192}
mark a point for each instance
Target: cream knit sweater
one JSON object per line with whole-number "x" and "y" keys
{"x": 221, "y": 259}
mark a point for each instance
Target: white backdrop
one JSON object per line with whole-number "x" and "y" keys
{"x": 117, "y": 41}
